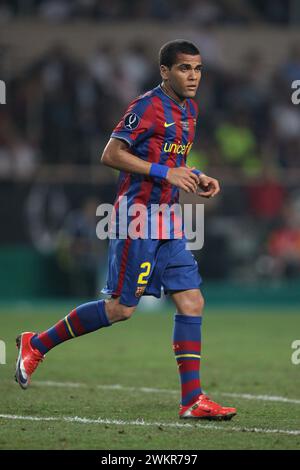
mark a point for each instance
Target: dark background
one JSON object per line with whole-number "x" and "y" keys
{"x": 71, "y": 68}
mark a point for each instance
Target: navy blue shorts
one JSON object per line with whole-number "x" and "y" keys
{"x": 142, "y": 267}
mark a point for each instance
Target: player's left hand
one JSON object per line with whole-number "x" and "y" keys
{"x": 210, "y": 186}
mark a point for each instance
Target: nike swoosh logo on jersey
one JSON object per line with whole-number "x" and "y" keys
{"x": 169, "y": 124}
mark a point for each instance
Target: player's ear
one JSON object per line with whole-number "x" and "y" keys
{"x": 164, "y": 72}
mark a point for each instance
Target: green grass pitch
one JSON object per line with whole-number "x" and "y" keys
{"x": 124, "y": 381}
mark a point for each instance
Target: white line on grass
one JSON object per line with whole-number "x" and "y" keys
{"x": 246, "y": 396}
{"x": 141, "y": 422}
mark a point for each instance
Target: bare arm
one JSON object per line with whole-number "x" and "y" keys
{"x": 116, "y": 155}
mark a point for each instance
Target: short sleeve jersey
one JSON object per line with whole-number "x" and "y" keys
{"x": 158, "y": 130}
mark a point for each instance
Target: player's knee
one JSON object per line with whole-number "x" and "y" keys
{"x": 193, "y": 304}
{"x": 124, "y": 312}
{"x": 118, "y": 312}
{"x": 200, "y": 304}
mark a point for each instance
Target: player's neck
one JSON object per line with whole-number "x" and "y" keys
{"x": 171, "y": 94}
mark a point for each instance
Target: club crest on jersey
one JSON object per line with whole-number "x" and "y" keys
{"x": 139, "y": 291}
{"x": 185, "y": 125}
{"x": 131, "y": 121}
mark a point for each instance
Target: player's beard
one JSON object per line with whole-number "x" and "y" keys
{"x": 183, "y": 92}
{"x": 191, "y": 93}
{"x": 178, "y": 92}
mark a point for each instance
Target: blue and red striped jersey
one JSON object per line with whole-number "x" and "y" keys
{"x": 158, "y": 130}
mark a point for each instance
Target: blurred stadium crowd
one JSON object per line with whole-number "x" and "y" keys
{"x": 61, "y": 111}
{"x": 204, "y": 11}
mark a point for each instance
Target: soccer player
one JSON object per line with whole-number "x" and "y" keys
{"x": 149, "y": 146}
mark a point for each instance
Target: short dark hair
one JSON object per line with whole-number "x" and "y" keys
{"x": 168, "y": 52}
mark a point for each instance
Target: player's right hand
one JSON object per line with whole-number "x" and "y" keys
{"x": 183, "y": 178}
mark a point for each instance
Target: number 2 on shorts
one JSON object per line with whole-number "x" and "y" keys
{"x": 147, "y": 266}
